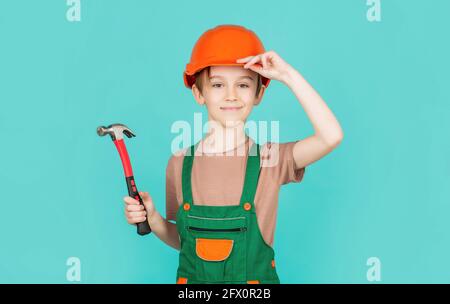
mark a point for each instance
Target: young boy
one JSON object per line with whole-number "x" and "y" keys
{"x": 225, "y": 202}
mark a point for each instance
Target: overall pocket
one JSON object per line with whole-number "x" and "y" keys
{"x": 213, "y": 250}
{"x": 219, "y": 251}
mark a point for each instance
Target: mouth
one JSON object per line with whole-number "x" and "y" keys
{"x": 231, "y": 108}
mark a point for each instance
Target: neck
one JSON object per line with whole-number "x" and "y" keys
{"x": 221, "y": 138}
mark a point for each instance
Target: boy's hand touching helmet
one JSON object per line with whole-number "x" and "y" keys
{"x": 268, "y": 64}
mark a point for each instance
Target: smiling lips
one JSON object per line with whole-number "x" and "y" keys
{"x": 230, "y": 108}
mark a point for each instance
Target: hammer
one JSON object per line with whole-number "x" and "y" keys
{"x": 116, "y": 132}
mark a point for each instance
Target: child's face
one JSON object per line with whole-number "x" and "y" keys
{"x": 229, "y": 94}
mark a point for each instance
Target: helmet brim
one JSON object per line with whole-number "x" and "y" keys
{"x": 189, "y": 74}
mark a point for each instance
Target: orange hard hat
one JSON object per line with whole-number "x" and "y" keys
{"x": 222, "y": 45}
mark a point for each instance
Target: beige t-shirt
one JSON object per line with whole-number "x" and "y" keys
{"x": 218, "y": 180}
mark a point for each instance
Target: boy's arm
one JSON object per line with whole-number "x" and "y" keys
{"x": 328, "y": 133}
{"x": 164, "y": 230}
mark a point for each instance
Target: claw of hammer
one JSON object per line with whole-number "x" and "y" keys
{"x": 116, "y": 131}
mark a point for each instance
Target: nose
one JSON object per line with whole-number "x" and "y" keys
{"x": 231, "y": 94}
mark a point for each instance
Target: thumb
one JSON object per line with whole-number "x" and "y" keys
{"x": 146, "y": 198}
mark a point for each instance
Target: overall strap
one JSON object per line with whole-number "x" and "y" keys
{"x": 251, "y": 176}
{"x": 186, "y": 174}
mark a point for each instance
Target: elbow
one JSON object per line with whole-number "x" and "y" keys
{"x": 337, "y": 140}
{"x": 334, "y": 140}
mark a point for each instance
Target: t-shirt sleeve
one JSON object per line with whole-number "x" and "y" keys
{"x": 279, "y": 159}
{"x": 171, "y": 195}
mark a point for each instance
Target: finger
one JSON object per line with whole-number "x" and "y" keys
{"x": 252, "y": 62}
{"x": 271, "y": 58}
{"x": 140, "y": 219}
{"x": 130, "y": 201}
{"x": 256, "y": 68}
{"x": 146, "y": 198}
{"x": 132, "y": 215}
{"x": 136, "y": 220}
{"x": 134, "y": 208}
{"x": 242, "y": 60}
{"x": 144, "y": 195}
{"x": 264, "y": 62}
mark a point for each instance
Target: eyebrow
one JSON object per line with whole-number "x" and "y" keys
{"x": 217, "y": 76}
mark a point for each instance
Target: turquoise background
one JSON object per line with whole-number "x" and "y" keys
{"x": 384, "y": 192}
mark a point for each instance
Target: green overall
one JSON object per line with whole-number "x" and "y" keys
{"x": 223, "y": 244}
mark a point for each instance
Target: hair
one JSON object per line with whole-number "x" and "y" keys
{"x": 200, "y": 77}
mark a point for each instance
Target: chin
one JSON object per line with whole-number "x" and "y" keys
{"x": 231, "y": 123}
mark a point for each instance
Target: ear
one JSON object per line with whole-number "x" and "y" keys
{"x": 198, "y": 95}
{"x": 260, "y": 95}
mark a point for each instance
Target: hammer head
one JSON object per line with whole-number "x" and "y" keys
{"x": 115, "y": 131}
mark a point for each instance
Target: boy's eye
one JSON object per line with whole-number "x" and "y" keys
{"x": 243, "y": 86}
{"x": 216, "y": 85}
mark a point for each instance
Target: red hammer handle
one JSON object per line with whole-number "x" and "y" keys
{"x": 120, "y": 145}
{"x": 142, "y": 228}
